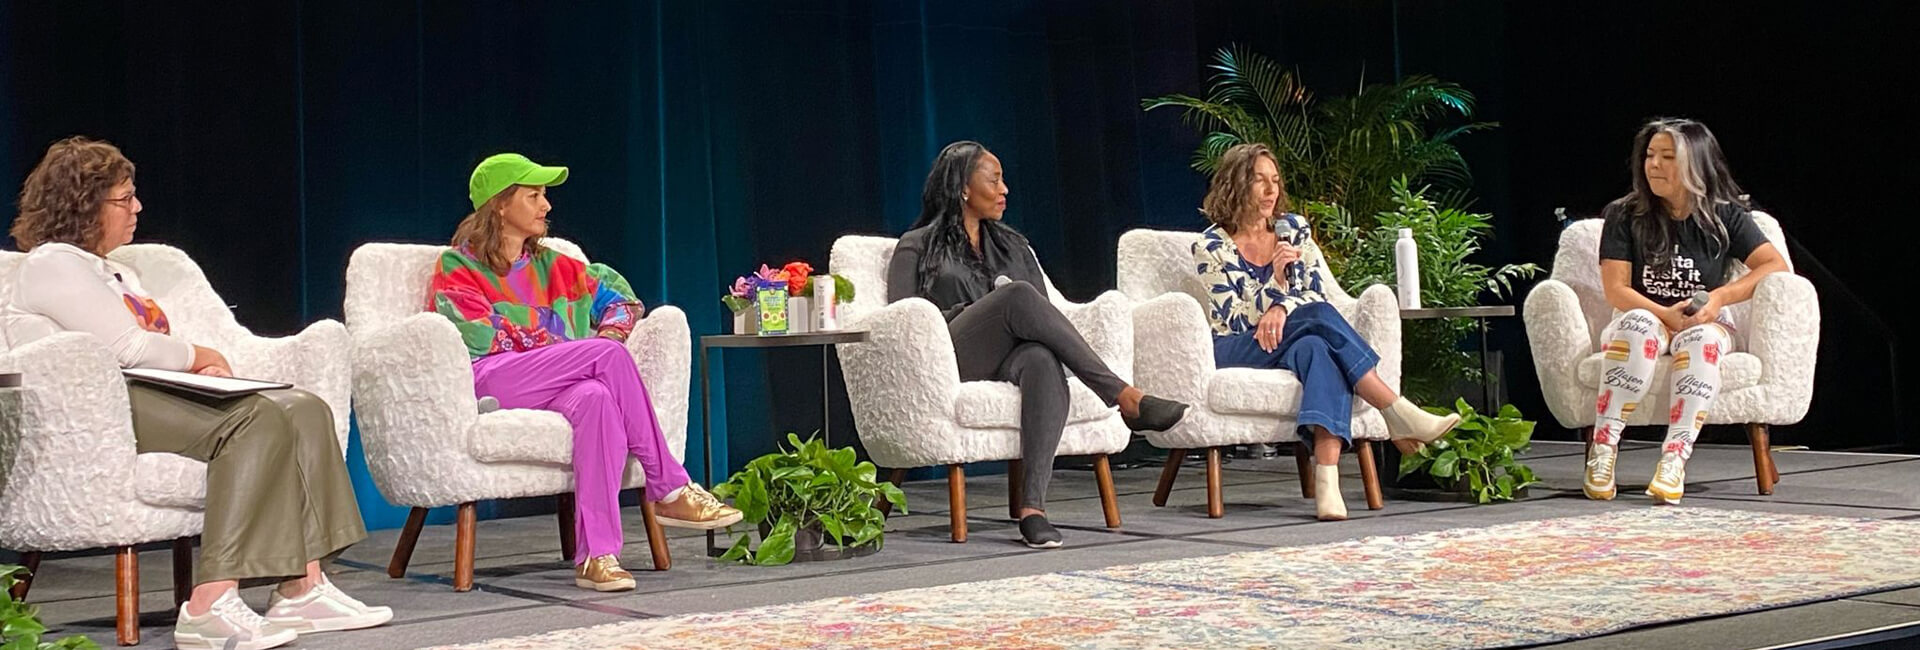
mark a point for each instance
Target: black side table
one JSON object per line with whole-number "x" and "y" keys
{"x": 1480, "y": 315}
{"x": 765, "y": 341}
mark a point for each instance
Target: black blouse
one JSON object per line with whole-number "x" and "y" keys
{"x": 957, "y": 283}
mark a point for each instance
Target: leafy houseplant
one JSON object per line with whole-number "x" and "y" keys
{"x": 1447, "y": 238}
{"x": 20, "y": 626}
{"x": 807, "y": 488}
{"x": 1344, "y": 150}
{"x": 1477, "y": 457}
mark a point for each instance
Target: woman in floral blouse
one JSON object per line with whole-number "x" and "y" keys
{"x": 1263, "y": 275}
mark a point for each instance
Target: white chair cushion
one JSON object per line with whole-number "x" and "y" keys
{"x": 1737, "y": 370}
{"x": 1250, "y": 391}
{"x": 996, "y": 404}
{"x": 522, "y": 435}
{"x": 170, "y": 481}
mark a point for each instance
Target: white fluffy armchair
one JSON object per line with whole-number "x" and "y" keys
{"x": 70, "y": 475}
{"x": 1235, "y": 406}
{"x": 427, "y": 444}
{"x": 1769, "y": 381}
{"x": 912, "y": 410}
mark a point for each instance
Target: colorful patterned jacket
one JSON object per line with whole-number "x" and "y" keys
{"x": 1238, "y": 297}
{"x": 545, "y": 298}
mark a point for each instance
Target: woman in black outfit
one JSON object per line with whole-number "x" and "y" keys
{"x": 983, "y": 277}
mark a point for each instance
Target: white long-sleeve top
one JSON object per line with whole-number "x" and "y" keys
{"x": 63, "y": 288}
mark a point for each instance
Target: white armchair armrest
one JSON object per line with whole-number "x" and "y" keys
{"x": 662, "y": 348}
{"x": 66, "y": 440}
{"x": 413, "y": 376}
{"x": 904, "y": 379}
{"x": 1783, "y": 330}
{"x": 1107, "y": 325}
{"x": 1558, "y": 334}
{"x": 1377, "y": 319}
{"x": 316, "y": 360}
{"x": 1175, "y": 346}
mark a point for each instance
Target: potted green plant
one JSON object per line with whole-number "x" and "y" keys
{"x": 20, "y": 627}
{"x": 1476, "y": 459}
{"x": 804, "y": 495}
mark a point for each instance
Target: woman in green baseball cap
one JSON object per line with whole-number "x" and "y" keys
{"x": 548, "y": 331}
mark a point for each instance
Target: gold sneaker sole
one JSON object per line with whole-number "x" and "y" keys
{"x": 1599, "y": 495}
{"x": 1663, "y": 497}
{"x": 624, "y": 584}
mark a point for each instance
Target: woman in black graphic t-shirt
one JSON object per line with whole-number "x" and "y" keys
{"x": 1671, "y": 237}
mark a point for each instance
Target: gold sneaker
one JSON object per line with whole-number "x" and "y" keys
{"x": 603, "y": 573}
{"x": 1669, "y": 480}
{"x": 696, "y": 508}
{"x": 1599, "y": 481}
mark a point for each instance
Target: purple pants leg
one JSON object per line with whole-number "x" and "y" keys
{"x": 594, "y": 383}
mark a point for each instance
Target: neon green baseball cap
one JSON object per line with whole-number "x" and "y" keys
{"x": 503, "y": 170}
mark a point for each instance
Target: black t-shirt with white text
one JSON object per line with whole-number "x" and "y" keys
{"x": 1692, "y": 266}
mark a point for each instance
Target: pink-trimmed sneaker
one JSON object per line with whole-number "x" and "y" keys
{"x": 324, "y": 608}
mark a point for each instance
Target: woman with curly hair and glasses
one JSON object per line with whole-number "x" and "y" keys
{"x": 76, "y": 207}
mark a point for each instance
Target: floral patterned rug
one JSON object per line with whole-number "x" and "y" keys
{"x": 1521, "y": 583}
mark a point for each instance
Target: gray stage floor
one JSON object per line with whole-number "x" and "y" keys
{"x": 524, "y": 587}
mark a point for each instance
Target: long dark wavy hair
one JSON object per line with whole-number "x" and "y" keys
{"x": 1703, "y": 172}
{"x": 940, "y": 207}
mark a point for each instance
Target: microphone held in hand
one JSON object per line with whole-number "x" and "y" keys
{"x": 1002, "y": 281}
{"x": 1699, "y": 302}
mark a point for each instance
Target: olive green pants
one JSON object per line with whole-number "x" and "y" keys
{"x": 278, "y": 495}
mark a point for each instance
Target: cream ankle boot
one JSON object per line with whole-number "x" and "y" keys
{"x": 1326, "y": 493}
{"x": 1409, "y": 422}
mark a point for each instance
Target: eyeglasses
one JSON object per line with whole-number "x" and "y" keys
{"x": 124, "y": 199}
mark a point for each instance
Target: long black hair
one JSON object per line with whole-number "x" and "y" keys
{"x": 940, "y": 207}
{"x": 1703, "y": 172}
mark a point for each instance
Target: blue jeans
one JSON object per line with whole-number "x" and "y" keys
{"x": 1326, "y": 355}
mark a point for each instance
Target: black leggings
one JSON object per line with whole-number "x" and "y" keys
{"x": 1015, "y": 334}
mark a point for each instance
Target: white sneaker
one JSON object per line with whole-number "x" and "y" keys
{"x": 1669, "y": 480}
{"x": 324, "y": 609}
{"x": 1599, "y": 481}
{"x": 229, "y": 625}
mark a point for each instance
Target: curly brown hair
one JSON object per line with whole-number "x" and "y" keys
{"x": 60, "y": 201}
{"x": 1231, "y": 193}
{"x": 479, "y": 232}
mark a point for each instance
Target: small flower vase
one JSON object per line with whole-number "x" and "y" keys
{"x": 826, "y": 305}
{"x": 799, "y": 315}
{"x": 746, "y": 321}
{"x": 772, "y": 305}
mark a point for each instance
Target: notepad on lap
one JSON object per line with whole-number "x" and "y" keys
{"x": 202, "y": 384}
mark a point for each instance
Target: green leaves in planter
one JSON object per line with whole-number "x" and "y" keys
{"x": 20, "y": 627}
{"x": 1478, "y": 455}
{"x": 806, "y": 486}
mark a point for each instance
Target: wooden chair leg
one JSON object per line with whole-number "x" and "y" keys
{"x": 1303, "y": 462}
{"x": 1216, "y": 503}
{"x": 1016, "y": 487}
{"x": 897, "y": 477}
{"x": 30, "y": 560}
{"x": 1109, "y": 499}
{"x": 465, "y": 518}
{"x": 563, "y": 510}
{"x": 656, "y": 537}
{"x": 1369, "y": 474}
{"x": 126, "y": 595}
{"x": 409, "y": 536}
{"x": 1167, "y": 474}
{"x": 1764, "y": 472}
{"x": 182, "y": 570}
{"x": 957, "y": 502}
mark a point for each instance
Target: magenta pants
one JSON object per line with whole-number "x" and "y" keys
{"x": 594, "y": 383}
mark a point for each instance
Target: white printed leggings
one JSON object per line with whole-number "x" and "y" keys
{"x": 1634, "y": 343}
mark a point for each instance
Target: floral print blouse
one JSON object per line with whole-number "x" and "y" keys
{"x": 1240, "y": 292}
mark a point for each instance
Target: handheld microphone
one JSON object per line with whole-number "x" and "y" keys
{"x": 488, "y": 404}
{"x": 1699, "y": 302}
{"x": 1002, "y": 281}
